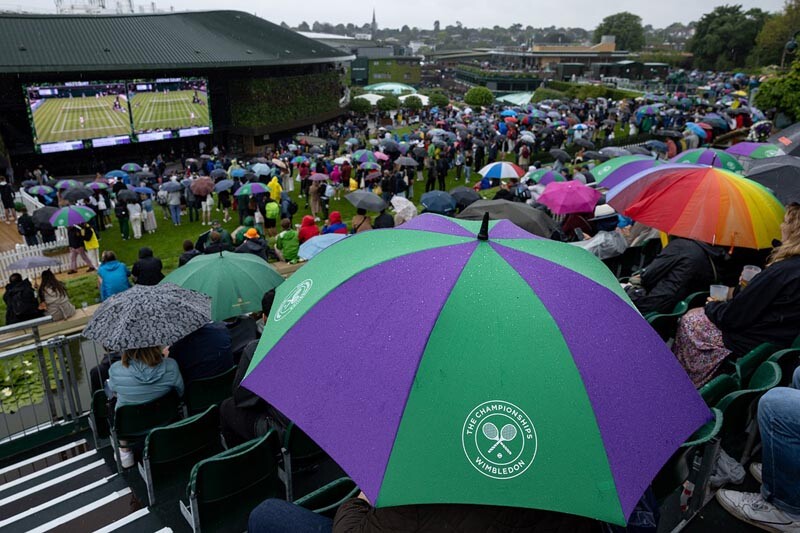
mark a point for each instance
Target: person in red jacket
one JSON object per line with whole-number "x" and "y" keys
{"x": 335, "y": 224}
{"x": 307, "y": 229}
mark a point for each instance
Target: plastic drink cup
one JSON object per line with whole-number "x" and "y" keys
{"x": 719, "y": 292}
{"x": 749, "y": 272}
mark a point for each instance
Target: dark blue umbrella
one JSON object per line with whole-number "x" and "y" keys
{"x": 658, "y": 146}
{"x": 438, "y": 202}
{"x": 171, "y": 186}
{"x": 144, "y": 190}
{"x": 218, "y": 173}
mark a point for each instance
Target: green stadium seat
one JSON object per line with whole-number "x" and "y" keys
{"x": 132, "y": 423}
{"x": 203, "y": 393}
{"x": 696, "y": 299}
{"x": 98, "y": 419}
{"x": 299, "y": 453}
{"x": 666, "y": 324}
{"x": 788, "y": 360}
{"x": 225, "y": 488}
{"x": 747, "y": 364}
{"x": 192, "y": 439}
{"x": 326, "y": 500}
{"x": 716, "y": 389}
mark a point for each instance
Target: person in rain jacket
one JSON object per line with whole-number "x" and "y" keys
{"x": 307, "y": 229}
{"x": 253, "y": 244}
{"x": 275, "y": 188}
{"x": 335, "y": 224}
{"x": 142, "y": 376}
{"x": 112, "y": 276}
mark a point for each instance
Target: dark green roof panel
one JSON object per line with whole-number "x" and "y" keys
{"x": 208, "y": 39}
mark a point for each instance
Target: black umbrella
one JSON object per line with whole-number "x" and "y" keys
{"x": 464, "y": 196}
{"x": 419, "y": 151}
{"x": 406, "y": 161}
{"x": 127, "y": 195}
{"x": 788, "y": 139}
{"x": 526, "y": 217}
{"x": 42, "y": 215}
{"x": 779, "y": 174}
{"x": 219, "y": 173}
{"x": 596, "y": 155}
{"x": 142, "y": 175}
{"x": 77, "y": 193}
{"x": 638, "y": 150}
{"x": 560, "y": 155}
{"x": 366, "y": 200}
{"x": 585, "y": 143}
{"x": 669, "y": 133}
{"x": 614, "y": 151}
{"x": 390, "y": 145}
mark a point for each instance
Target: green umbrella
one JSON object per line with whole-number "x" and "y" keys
{"x": 709, "y": 156}
{"x": 235, "y": 282}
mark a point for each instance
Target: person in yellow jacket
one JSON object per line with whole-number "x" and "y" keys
{"x": 275, "y": 189}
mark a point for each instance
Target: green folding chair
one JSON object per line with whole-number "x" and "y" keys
{"x": 225, "y": 488}
{"x": 201, "y": 394}
{"x": 327, "y": 500}
{"x": 194, "y": 438}
{"x": 132, "y": 423}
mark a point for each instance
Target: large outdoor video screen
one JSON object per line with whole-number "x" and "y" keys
{"x": 64, "y": 115}
{"x": 165, "y": 107}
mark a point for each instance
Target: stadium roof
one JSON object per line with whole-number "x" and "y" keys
{"x": 193, "y": 40}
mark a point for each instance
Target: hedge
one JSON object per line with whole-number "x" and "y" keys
{"x": 547, "y": 94}
{"x": 582, "y": 91}
{"x": 266, "y": 101}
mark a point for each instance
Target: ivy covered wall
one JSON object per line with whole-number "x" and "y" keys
{"x": 263, "y": 103}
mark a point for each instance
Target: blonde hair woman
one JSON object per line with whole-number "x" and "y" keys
{"x": 766, "y": 310}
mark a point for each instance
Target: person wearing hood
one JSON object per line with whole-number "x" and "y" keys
{"x": 141, "y": 376}
{"x": 335, "y": 224}
{"x": 112, "y": 276}
{"x": 253, "y": 244}
{"x": 307, "y": 229}
{"x": 275, "y": 188}
{"x": 147, "y": 270}
{"x": 683, "y": 267}
{"x": 287, "y": 244}
{"x": 238, "y": 234}
{"x": 20, "y": 300}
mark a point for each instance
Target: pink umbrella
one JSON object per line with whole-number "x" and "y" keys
{"x": 569, "y": 197}
{"x": 381, "y": 156}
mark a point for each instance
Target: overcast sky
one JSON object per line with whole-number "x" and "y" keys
{"x": 422, "y": 13}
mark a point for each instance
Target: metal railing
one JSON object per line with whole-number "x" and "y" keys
{"x": 44, "y": 384}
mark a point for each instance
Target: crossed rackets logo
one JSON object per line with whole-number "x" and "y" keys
{"x": 506, "y": 434}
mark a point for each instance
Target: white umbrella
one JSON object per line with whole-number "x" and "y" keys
{"x": 404, "y": 207}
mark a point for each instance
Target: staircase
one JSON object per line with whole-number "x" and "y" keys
{"x": 70, "y": 488}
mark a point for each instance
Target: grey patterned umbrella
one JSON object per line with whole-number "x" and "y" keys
{"x": 146, "y": 316}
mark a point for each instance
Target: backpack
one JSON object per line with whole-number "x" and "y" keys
{"x": 162, "y": 197}
{"x": 22, "y": 302}
{"x": 292, "y": 207}
{"x": 272, "y": 210}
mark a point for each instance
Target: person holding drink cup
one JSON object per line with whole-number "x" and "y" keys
{"x": 764, "y": 308}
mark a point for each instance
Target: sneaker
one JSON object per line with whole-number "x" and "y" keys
{"x": 126, "y": 457}
{"x": 755, "y": 470}
{"x": 755, "y": 510}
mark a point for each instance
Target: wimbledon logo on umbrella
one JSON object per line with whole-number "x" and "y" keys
{"x": 293, "y": 299}
{"x": 499, "y": 439}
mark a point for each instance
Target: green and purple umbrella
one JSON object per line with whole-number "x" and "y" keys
{"x": 249, "y": 189}
{"x": 130, "y": 167}
{"x": 709, "y": 156}
{"x": 364, "y": 156}
{"x": 755, "y": 150}
{"x": 615, "y": 171}
{"x": 543, "y": 176}
{"x": 465, "y": 407}
{"x": 41, "y": 189}
{"x": 68, "y": 184}
{"x": 71, "y": 216}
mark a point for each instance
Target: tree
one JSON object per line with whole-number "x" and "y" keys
{"x": 724, "y": 38}
{"x": 360, "y": 105}
{"x": 626, "y": 27}
{"x": 388, "y": 103}
{"x": 413, "y": 103}
{"x": 782, "y": 93}
{"x": 303, "y": 26}
{"x": 479, "y": 96}
{"x": 777, "y": 30}
{"x": 438, "y": 99}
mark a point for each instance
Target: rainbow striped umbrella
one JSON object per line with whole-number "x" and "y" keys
{"x": 364, "y": 156}
{"x": 700, "y": 202}
{"x": 249, "y": 189}
{"x": 709, "y": 156}
{"x": 501, "y": 170}
{"x": 543, "y": 176}
{"x": 68, "y": 184}
{"x": 71, "y": 216}
{"x": 40, "y": 189}
{"x": 461, "y": 408}
{"x": 755, "y": 150}
{"x": 615, "y": 171}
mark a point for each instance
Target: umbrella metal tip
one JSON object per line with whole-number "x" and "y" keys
{"x": 483, "y": 234}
